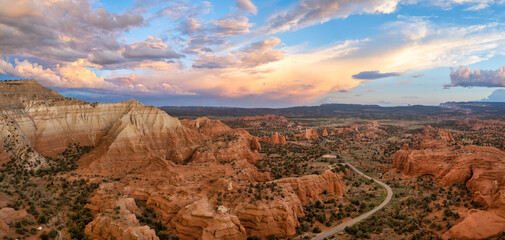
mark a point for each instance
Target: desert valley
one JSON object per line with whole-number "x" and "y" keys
{"x": 252, "y": 120}
{"x": 77, "y": 170}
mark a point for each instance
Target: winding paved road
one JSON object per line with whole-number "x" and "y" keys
{"x": 357, "y": 219}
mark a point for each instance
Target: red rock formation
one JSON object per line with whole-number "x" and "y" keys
{"x": 436, "y": 138}
{"x": 482, "y": 168}
{"x": 229, "y": 144}
{"x": 182, "y": 169}
{"x": 111, "y": 223}
{"x": 261, "y": 117}
{"x": 4, "y": 157}
{"x": 200, "y": 220}
{"x": 481, "y": 224}
{"x": 308, "y": 134}
{"x": 263, "y": 121}
{"x": 308, "y": 188}
{"x": 279, "y": 217}
{"x": 276, "y": 138}
{"x": 345, "y": 130}
{"x": 8, "y": 217}
{"x": 325, "y": 132}
{"x": 362, "y": 130}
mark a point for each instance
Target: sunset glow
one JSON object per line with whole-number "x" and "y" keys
{"x": 258, "y": 53}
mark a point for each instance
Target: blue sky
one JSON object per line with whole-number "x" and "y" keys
{"x": 252, "y": 53}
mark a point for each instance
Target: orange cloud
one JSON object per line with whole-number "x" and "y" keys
{"x": 79, "y": 77}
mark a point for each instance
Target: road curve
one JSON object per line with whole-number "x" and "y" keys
{"x": 361, "y": 217}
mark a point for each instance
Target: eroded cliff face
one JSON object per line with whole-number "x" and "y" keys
{"x": 194, "y": 174}
{"x": 308, "y": 188}
{"x": 481, "y": 168}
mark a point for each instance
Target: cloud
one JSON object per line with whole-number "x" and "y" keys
{"x": 65, "y": 41}
{"x": 28, "y": 70}
{"x": 62, "y": 30}
{"x": 201, "y": 37}
{"x": 371, "y": 75}
{"x": 472, "y": 5}
{"x": 231, "y": 26}
{"x": 497, "y": 95}
{"x": 68, "y": 75}
{"x": 402, "y": 82}
{"x": 417, "y": 76}
{"x": 257, "y": 53}
{"x": 201, "y": 44}
{"x": 310, "y": 12}
{"x": 78, "y": 77}
{"x": 150, "y": 48}
{"x": 106, "y": 57}
{"x": 101, "y": 18}
{"x": 246, "y": 5}
{"x": 464, "y": 77}
{"x": 190, "y": 26}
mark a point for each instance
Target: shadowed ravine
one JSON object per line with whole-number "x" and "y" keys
{"x": 361, "y": 217}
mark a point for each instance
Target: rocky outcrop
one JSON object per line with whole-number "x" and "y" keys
{"x": 4, "y": 157}
{"x": 275, "y": 138}
{"x": 115, "y": 217}
{"x": 436, "y": 138}
{"x": 345, "y": 130}
{"x": 280, "y": 217}
{"x": 8, "y": 217}
{"x": 309, "y": 187}
{"x": 227, "y": 144}
{"x": 479, "y": 224}
{"x": 106, "y": 227}
{"x": 262, "y": 122}
{"x": 362, "y": 130}
{"x": 142, "y": 133}
{"x": 201, "y": 220}
{"x": 325, "y": 132}
{"x": 308, "y": 134}
{"x": 481, "y": 168}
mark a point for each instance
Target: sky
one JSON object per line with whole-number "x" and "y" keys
{"x": 252, "y": 53}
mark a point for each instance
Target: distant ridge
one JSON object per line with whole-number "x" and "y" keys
{"x": 446, "y": 110}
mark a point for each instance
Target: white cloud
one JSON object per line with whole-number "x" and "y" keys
{"x": 57, "y": 31}
{"x": 464, "y": 77}
{"x": 258, "y": 53}
{"x": 310, "y": 12}
{"x": 472, "y": 5}
{"x": 246, "y": 5}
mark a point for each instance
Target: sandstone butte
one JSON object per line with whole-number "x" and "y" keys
{"x": 276, "y": 138}
{"x": 482, "y": 169}
{"x": 308, "y": 134}
{"x": 193, "y": 173}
